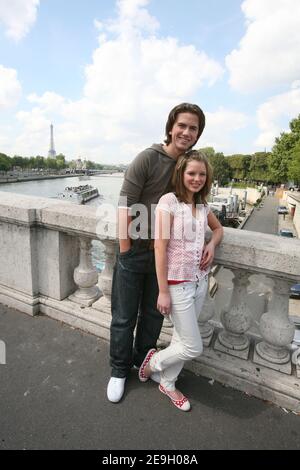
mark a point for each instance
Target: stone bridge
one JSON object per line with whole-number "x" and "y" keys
{"x": 46, "y": 268}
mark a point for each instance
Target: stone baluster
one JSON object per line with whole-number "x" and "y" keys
{"x": 206, "y": 314}
{"x": 276, "y": 330}
{"x": 85, "y": 276}
{"x": 237, "y": 319}
{"x": 105, "y": 278}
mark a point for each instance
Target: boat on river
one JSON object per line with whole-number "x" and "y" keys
{"x": 79, "y": 194}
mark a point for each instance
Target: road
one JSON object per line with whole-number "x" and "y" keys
{"x": 265, "y": 219}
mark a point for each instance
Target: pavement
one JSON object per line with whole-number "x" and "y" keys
{"x": 264, "y": 218}
{"x": 53, "y": 396}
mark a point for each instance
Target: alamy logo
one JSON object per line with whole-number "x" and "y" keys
{"x": 2, "y": 352}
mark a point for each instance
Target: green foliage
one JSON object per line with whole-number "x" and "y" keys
{"x": 90, "y": 164}
{"x": 239, "y": 165}
{"x": 257, "y": 202}
{"x": 5, "y": 162}
{"x": 283, "y": 160}
{"x": 294, "y": 167}
{"x": 61, "y": 162}
{"x": 18, "y": 161}
{"x": 259, "y": 167}
{"x": 221, "y": 168}
{"x": 207, "y": 151}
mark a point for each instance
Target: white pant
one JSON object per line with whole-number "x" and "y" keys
{"x": 187, "y": 301}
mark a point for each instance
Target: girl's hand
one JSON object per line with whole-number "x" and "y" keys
{"x": 207, "y": 256}
{"x": 164, "y": 303}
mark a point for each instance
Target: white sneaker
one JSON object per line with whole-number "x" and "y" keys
{"x": 115, "y": 389}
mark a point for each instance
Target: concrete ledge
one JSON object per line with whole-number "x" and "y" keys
{"x": 86, "y": 319}
{"x": 94, "y": 222}
{"x": 19, "y": 300}
{"x": 267, "y": 254}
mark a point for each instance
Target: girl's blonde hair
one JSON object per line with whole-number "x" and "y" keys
{"x": 177, "y": 179}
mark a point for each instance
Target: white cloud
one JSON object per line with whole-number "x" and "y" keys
{"x": 18, "y": 16}
{"x": 271, "y": 113}
{"x": 220, "y": 128}
{"x": 49, "y": 101}
{"x": 135, "y": 78}
{"x": 132, "y": 19}
{"x": 268, "y": 54}
{"x": 10, "y": 88}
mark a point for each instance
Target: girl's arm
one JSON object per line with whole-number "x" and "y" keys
{"x": 163, "y": 222}
{"x": 217, "y": 235}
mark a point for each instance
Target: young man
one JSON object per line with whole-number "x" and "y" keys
{"x": 134, "y": 288}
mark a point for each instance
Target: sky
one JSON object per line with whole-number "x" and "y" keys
{"x": 106, "y": 73}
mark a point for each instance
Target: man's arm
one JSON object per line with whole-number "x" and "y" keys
{"x": 135, "y": 178}
{"x": 124, "y": 220}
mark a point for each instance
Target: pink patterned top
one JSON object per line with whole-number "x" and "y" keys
{"x": 186, "y": 238}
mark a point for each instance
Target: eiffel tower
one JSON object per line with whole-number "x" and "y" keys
{"x": 51, "y": 153}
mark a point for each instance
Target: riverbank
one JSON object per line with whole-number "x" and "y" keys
{"x": 33, "y": 177}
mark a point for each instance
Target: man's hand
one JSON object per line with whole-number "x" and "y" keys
{"x": 125, "y": 245}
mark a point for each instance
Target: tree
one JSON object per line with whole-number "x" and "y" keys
{"x": 5, "y": 162}
{"x": 294, "y": 167}
{"x": 32, "y": 163}
{"x": 89, "y": 164}
{"x": 239, "y": 165}
{"x": 40, "y": 162}
{"x": 259, "y": 167}
{"x": 221, "y": 168}
{"x": 61, "y": 162}
{"x": 18, "y": 161}
{"x": 283, "y": 151}
{"x": 51, "y": 163}
{"x": 208, "y": 151}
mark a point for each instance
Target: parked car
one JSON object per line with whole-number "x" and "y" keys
{"x": 282, "y": 210}
{"x": 285, "y": 232}
{"x": 295, "y": 291}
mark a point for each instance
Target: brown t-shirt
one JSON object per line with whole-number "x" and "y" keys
{"x": 147, "y": 178}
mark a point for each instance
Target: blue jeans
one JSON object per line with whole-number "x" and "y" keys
{"x": 134, "y": 299}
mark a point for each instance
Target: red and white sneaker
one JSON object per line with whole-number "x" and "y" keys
{"x": 183, "y": 404}
{"x": 142, "y": 376}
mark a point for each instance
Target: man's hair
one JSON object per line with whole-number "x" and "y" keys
{"x": 177, "y": 179}
{"x": 184, "y": 108}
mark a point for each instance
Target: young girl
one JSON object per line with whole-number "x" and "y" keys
{"x": 182, "y": 266}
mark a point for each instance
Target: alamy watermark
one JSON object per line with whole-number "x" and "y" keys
{"x": 143, "y": 221}
{"x": 2, "y": 353}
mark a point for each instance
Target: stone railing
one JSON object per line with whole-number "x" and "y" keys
{"x": 46, "y": 267}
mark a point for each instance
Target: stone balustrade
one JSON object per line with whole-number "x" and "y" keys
{"x": 46, "y": 268}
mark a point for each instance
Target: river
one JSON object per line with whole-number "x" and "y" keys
{"x": 108, "y": 185}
